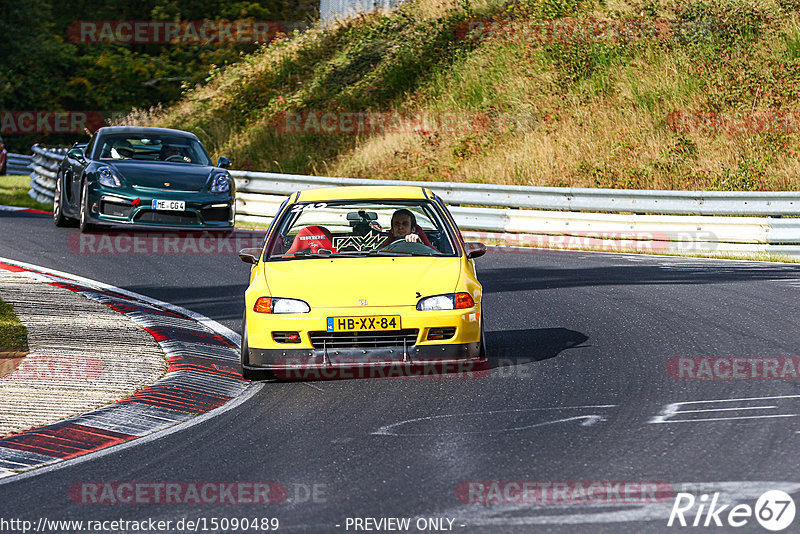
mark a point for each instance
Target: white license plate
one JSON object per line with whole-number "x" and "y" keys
{"x": 169, "y": 205}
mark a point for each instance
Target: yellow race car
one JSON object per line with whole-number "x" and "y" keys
{"x": 355, "y": 278}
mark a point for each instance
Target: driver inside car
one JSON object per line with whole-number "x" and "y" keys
{"x": 122, "y": 149}
{"x": 404, "y": 226}
{"x": 167, "y": 151}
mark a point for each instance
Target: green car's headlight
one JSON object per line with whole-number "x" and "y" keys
{"x": 107, "y": 177}
{"x": 221, "y": 182}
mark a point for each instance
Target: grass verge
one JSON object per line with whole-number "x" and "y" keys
{"x": 14, "y": 192}
{"x": 13, "y": 334}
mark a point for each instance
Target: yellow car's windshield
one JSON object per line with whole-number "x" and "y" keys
{"x": 361, "y": 228}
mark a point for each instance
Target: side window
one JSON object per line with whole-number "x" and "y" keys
{"x": 423, "y": 221}
{"x": 104, "y": 149}
{"x": 90, "y": 147}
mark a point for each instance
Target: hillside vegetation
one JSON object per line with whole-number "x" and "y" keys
{"x": 47, "y": 64}
{"x": 669, "y": 94}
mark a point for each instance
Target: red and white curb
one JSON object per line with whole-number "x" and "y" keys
{"x": 202, "y": 379}
{"x": 25, "y": 210}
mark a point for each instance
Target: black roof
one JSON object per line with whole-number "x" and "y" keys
{"x": 143, "y": 131}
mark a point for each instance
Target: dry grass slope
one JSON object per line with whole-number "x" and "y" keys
{"x": 665, "y": 94}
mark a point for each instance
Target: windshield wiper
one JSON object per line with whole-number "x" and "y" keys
{"x": 380, "y": 252}
{"x": 300, "y": 254}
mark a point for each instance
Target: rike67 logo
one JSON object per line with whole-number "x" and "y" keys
{"x": 774, "y": 510}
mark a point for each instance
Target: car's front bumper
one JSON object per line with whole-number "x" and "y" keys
{"x": 274, "y": 358}
{"x": 318, "y": 350}
{"x": 203, "y": 210}
{"x": 461, "y": 360}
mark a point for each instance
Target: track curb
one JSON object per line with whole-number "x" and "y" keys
{"x": 202, "y": 376}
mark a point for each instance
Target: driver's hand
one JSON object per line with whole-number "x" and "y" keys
{"x": 412, "y": 238}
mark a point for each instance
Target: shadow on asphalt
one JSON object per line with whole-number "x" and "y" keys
{"x": 517, "y": 347}
{"x": 222, "y": 302}
{"x": 535, "y": 278}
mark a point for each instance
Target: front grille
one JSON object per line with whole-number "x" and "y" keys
{"x": 216, "y": 214}
{"x": 163, "y": 217}
{"x": 115, "y": 209}
{"x": 364, "y": 339}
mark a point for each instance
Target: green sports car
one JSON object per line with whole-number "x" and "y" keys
{"x": 143, "y": 177}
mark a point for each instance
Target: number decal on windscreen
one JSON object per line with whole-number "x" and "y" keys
{"x": 297, "y": 208}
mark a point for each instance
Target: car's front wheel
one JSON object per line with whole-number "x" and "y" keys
{"x": 58, "y": 205}
{"x": 244, "y": 350}
{"x": 482, "y": 350}
{"x": 244, "y": 353}
{"x": 85, "y": 225}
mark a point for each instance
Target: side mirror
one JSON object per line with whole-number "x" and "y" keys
{"x": 223, "y": 162}
{"x": 76, "y": 153}
{"x": 250, "y": 255}
{"x": 474, "y": 249}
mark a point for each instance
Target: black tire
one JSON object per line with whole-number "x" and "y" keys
{"x": 482, "y": 350}
{"x": 244, "y": 353}
{"x": 59, "y": 218}
{"x": 84, "y": 223}
{"x": 248, "y": 374}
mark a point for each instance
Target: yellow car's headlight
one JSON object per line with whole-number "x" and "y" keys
{"x": 279, "y": 305}
{"x": 450, "y": 301}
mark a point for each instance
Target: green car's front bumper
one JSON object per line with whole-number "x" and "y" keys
{"x": 203, "y": 210}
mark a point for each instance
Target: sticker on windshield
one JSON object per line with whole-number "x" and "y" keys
{"x": 369, "y": 241}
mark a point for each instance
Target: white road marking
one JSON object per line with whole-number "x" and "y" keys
{"x": 670, "y": 411}
{"x": 587, "y": 420}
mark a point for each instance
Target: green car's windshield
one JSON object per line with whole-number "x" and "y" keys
{"x": 169, "y": 148}
{"x": 361, "y": 228}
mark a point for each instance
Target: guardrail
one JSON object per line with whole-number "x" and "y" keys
{"x": 43, "y": 174}
{"x": 18, "y": 164}
{"x": 698, "y": 222}
{"x": 556, "y": 198}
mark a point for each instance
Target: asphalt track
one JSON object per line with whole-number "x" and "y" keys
{"x": 578, "y": 391}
